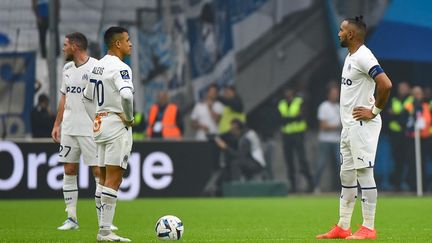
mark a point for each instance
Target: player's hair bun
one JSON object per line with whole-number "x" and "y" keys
{"x": 359, "y": 18}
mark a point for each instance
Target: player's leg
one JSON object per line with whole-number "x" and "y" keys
{"x": 369, "y": 199}
{"x": 102, "y": 175}
{"x": 96, "y": 171}
{"x": 70, "y": 195}
{"x": 69, "y": 155}
{"x": 348, "y": 197}
{"x": 116, "y": 155}
{"x": 348, "y": 177}
{"x": 365, "y": 154}
{"x": 369, "y": 196}
{"x": 114, "y": 175}
{"x": 98, "y": 190}
{"x": 346, "y": 207}
{"x": 90, "y": 156}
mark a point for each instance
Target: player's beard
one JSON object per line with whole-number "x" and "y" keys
{"x": 68, "y": 57}
{"x": 343, "y": 43}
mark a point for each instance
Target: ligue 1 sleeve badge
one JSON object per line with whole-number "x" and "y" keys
{"x": 124, "y": 74}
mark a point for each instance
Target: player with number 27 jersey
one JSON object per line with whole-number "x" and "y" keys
{"x": 75, "y": 120}
{"x": 109, "y": 76}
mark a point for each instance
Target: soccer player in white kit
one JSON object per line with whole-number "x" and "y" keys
{"x": 361, "y": 125}
{"x": 73, "y": 123}
{"x": 111, "y": 88}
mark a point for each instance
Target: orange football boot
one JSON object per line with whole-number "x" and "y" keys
{"x": 335, "y": 233}
{"x": 363, "y": 234}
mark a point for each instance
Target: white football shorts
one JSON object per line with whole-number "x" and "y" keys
{"x": 358, "y": 145}
{"x": 116, "y": 151}
{"x": 71, "y": 148}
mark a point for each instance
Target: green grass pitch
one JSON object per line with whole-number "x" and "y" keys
{"x": 287, "y": 219}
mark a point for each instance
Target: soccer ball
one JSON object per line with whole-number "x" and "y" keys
{"x": 169, "y": 227}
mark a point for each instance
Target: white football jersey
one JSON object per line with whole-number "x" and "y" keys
{"x": 357, "y": 87}
{"x": 75, "y": 119}
{"x": 108, "y": 77}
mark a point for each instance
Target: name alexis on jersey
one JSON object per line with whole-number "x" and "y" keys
{"x": 98, "y": 70}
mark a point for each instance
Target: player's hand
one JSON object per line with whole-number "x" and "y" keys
{"x": 55, "y": 134}
{"x": 129, "y": 123}
{"x": 126, "y": 122}
{"x": 362, "y": 113}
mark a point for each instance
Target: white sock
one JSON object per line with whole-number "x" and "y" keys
{"x": 347, "y": 198}
{"x": 368, "y": 211}
{"x": 98, "y": 192}
{"x": 369, "y": 196}
{"x": 108, "y": 200}
{"x": 70, "y": 194}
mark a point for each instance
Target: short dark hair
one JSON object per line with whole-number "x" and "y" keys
{"x": 289, "y": 87}
{"x": 358, "y": 22}
{"x": 111, "y": 32}
{"x": 79, "y": 39}
{"x": 213, "y": 85}
{"x": 43, "y": 98}
{"x": 239, "y": 123}
{"x": 231, "y": 87}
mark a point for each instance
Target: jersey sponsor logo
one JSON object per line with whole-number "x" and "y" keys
{"x": 346, "y": 81}
{"x": 74, "y": 90}
{"x": 124, "y": 74}
{"x": 98, "y": 70}
{"x": 97, "y": 123}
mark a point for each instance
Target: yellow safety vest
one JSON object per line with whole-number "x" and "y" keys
{"x": 397, "y": 107}
{"x": 291, "y": 111}
{"x": 228, "y": 115}
{"x": 138, "y": 135}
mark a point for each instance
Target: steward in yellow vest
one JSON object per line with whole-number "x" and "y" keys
{"x": 138, "y": 130}
{"x": 233, "y": 108}
{"x": 292, "y": 116}
{"x": 397, "y": 121}
{"x": 293, "y": 129}
{"x": 397, "y": 104}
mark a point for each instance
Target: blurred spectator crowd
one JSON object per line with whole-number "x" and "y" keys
{"x": 247, "y": 150}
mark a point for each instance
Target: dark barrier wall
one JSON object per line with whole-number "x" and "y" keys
{"x": 156, "y": 169}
